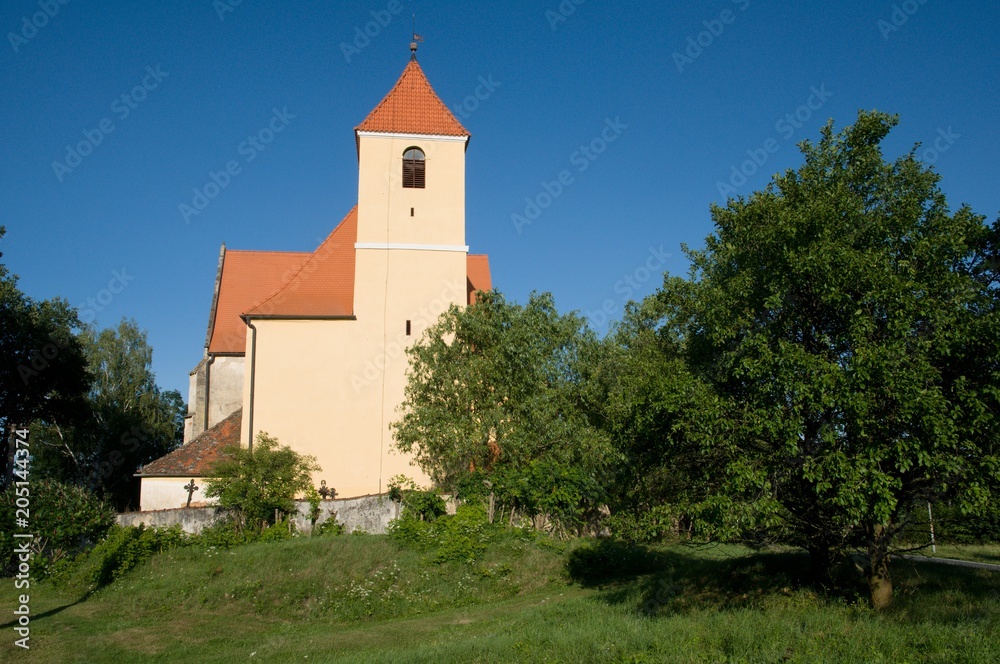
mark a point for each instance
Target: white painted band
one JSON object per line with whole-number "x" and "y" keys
{"x": 414, "y": 137}
{"x": 419, "y": 247}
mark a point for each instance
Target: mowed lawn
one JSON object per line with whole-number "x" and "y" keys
{"x": 366, "y": 599}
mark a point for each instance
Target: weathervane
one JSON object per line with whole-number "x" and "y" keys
{"x": 416, "y": 38}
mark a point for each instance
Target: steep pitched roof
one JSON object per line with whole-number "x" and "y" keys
{"x": 323, "y": 285}
{"x": 477, "y": 268}
{"x": 197, "y": 457}
{"x": 246, "y": 279}
{"x": 412, "y": 107}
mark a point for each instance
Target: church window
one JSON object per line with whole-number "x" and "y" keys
{"x": 413, "y": 168}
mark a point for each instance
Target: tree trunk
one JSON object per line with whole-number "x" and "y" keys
{"x": 879, "y": 580}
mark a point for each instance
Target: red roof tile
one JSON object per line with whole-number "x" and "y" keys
{"x": 412, "y": 107}
{"x": 196, "y": 458}
{"x": 248, "y": 278}
{"x": 478, "y": 270}
{"x": 324, "y": 284}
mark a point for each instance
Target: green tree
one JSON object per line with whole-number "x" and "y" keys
{"x": 129, "y": 422}
{"x": 65, "y": 520}
{"x": 254, "y": 482}
{"x": 495, "y": 388}
{"x": 664, "y": 420}
{"x": 43, "y": 370}
{"x": 846, "y": 323}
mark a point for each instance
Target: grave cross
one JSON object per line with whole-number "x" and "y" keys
{"x": 190, "y": 487}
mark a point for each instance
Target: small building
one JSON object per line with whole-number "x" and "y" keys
{"x": 310, "y": 346}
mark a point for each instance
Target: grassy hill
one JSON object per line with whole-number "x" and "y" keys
{"x": 367, "y": 599}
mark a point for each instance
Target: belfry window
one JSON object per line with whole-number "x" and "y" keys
{"x": 413, "y": 168}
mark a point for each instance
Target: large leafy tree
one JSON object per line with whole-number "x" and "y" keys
{"x": 846, "y": 320}
{"x": 129, "y": 422}
{"x": 497, "y": 398}
{"x": 43, "y": 370}
{"x": 89, "y": 396}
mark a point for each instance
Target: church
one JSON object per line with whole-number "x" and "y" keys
{"x": 309, "y": 347}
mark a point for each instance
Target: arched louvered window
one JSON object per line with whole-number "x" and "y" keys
{"x": 413, "y": 168}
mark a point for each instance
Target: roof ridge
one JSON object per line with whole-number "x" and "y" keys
{"x": 264, "y": 251}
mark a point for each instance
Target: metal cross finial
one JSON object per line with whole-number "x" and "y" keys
{"x": 326, "y": 492}
{"x": 190, "y": 487}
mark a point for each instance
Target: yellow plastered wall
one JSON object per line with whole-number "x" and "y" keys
{"x": 384, "y": 204}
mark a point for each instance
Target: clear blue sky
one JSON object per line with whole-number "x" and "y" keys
{"x": 682, "y": 125}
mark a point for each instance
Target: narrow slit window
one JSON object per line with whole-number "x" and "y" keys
{"x": 413, "y": 168}
{"x": 407, "y": 328}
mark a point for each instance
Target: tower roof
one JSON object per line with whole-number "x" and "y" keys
{"x": 412, "y": 107}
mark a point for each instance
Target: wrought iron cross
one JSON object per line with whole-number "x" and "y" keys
{"x": 190, "y": 487}
{"x": 326, "y": 492}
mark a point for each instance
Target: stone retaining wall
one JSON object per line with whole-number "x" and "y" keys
{"x": 369, "y": 513}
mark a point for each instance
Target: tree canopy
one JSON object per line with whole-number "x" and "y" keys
{"x": 129, "y": 420}
{"x": 89, "y": 396}
{"x": 840, "y": 330}
{"x": 496, "y": 403}
{"x": 43, "y": 369}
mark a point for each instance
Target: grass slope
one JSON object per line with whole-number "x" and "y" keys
{"x": 365, "y": 599}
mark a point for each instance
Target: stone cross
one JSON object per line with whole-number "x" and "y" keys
{"x": 190, "y": 487}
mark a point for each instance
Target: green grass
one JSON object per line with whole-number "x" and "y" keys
{"x": 981, "y": 553}
{"x": 366, "y": 599}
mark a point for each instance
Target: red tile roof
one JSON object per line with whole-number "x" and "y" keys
{"x": 260, "y": 284}
{"x": 412, "y": 107}
{"x": 196, "y": 458}
{"x": 324, "y": 284}
{"x": 248, "y": 278}
{"x": 477, "y": 267}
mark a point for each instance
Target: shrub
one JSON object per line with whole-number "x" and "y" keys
{"x": 226, "y": 533}
{"x": 121, "y": 551}
{"x": 259, "y": 481}
{"x": 282, "y": 530}
{"x": 411, "y": 533}
{"x": 422, "y": 505}
{"x": 461, "y": 538}
{"x": 312, "y": 495}
{"x": 65, "y": 520}
{"x": 330, "y": 527}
